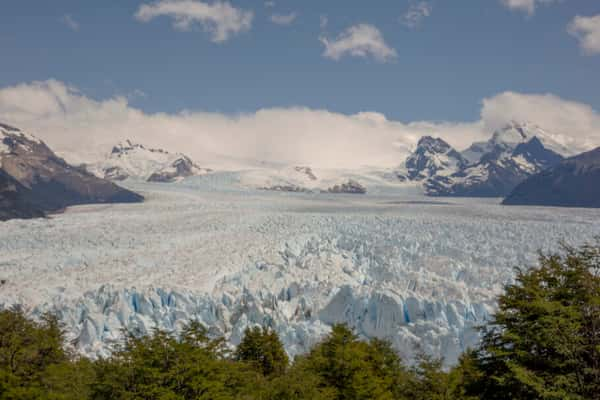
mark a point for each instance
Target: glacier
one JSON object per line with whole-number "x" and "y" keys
{"x": 392, "y": 264}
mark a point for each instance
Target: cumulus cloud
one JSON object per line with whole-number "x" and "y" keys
{"x": 362, "y": 40}
{"x": 416, "y": 13}
{"x": 86, "y": 128}
{"x": 587, "y": 31}
{"x": 70, "y": 22}
{"x": 526, "y": 6}
{"x": 284, "y": 19}
{"x": 220, "y": 18}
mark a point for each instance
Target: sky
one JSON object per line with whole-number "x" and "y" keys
{"x": 297, "y": 81}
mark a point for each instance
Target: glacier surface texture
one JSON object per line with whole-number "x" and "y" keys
{"x": 392, "y": 264}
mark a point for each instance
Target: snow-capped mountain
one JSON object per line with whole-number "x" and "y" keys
{"x": 33, "y": 180}
{"x": 433, "y": 156}
{"x": 514, "y": 133}
{"x": 133, "y": 160}
{"x": 493, "y": 168}
{"x": 497, "y": 173}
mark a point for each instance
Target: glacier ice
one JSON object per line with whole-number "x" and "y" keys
{"x": 422, "y": 274}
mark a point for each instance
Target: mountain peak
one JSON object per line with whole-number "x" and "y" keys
{"x": 515, "y": 132}
{"x": 435, "y": 145}
{"x": 128, "y": 145}
{"x": 129, "y": 159}
{"x": 513, "y": 154}
{"x": 433, "y": 156}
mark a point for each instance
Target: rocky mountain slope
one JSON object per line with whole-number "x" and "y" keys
{"x": 33, "y": 180}
{"x": 133, "y": 160}
{"x": 497, "y": 173}
{"x": 574, "y": 182}
{"x": 12, "y": 200}
{"x": 433, "y": 156}
{"x": 515, "y": 133}
{"x": 486, "y": 169}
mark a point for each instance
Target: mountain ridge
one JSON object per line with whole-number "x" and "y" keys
{"x": 574, "y": 182}
{"x": 497, "y": 166}
{"x": 134, "y": 160}
{"x": 35, "y": 181}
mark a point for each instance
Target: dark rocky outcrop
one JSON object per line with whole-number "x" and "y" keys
{"x": 182, "y": 167}
{"x": 350, "y": 187}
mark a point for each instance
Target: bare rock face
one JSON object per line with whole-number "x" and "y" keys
{"x": 433, "y": 156}
{"x": 12, "y": 200}
{"x": 33, "y": 180}
{"x": 182, "y": 167}
{"x": 350, "y": 187}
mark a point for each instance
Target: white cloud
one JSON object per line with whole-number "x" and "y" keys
{"x": 269, "y": 4}
{"x": 361, "y": 40}
{"x": 578, "y": 122}
{"x": 587, "y": 31}
{"x": 70, "y": 22}
{"x": 284, "y": 19}
{"x": 416, "y": 13}
{"x": 220, "y": 18}
{"x": 73, "y": 123}
{"x": 526, "y": 6}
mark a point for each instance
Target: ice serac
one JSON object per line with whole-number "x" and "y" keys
{"x": 507, "y": 159}
{"x": 317, "y": 282}
{"x": 134, "y": 160}
{"x": 433, "y": 156}
{"x": 574, "y": 182}
{"x": 33, "y": 180}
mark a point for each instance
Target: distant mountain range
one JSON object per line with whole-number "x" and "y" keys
{"x": 486, "y": 169}
{"x": 574, "y": 182}
{"x": 521, "y": 162}
{"x": 134, "y": 160}
{"x": 34, "y": 181}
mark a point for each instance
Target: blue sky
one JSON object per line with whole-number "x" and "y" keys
{"x": 462, "y": 52}
{"x": 312, "y": 82}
